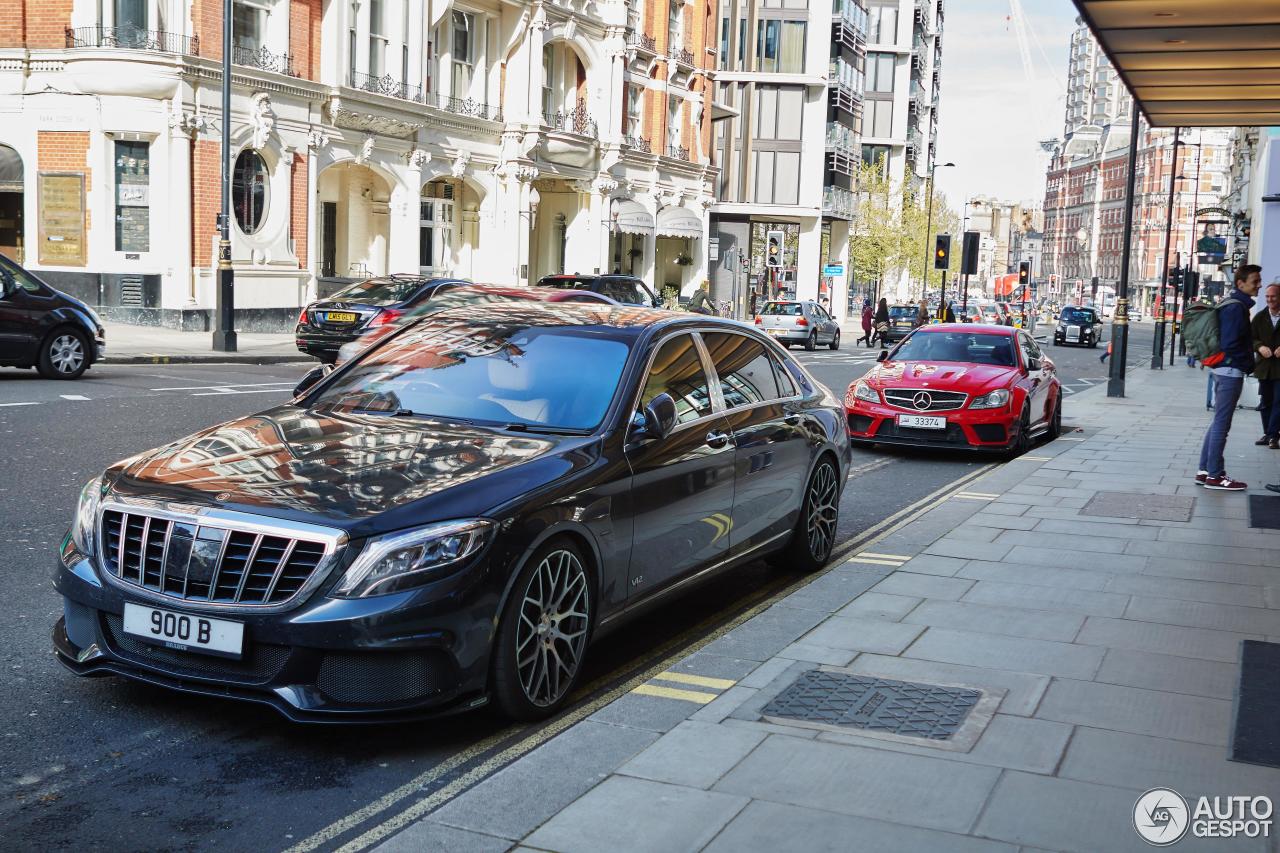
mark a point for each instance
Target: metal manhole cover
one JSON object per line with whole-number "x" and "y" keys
{"x": 1135, "y": 505}
{"x": 845, "y": 700}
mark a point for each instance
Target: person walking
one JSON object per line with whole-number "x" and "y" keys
{"x": 1235, "y": 340}
{"x": 947, "y": 313}
{"x": 867, "y": 315}
{"x": 1103, "y": 358}
{"x": 1266, "y": 344}
{"x": 701, "y": 301}
{"x": 922, "y": 316}
{"x": 881, "y": 322}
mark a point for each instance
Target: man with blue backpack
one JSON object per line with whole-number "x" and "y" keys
{"x": 1224, "y": 329}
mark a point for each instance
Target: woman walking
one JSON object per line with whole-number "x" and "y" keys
{"x": 867, "y": 315}
{"x": 881, "y": 321}
{"x": 922, "y": 316}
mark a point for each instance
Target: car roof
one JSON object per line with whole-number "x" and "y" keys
{"x": 630, "y": 320}
{"x": 985, "y": 328}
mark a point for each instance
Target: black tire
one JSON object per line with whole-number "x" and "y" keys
{"x": 804, "y": 551}
{"x": 811, "y": 342}
{"x": 1022, "y": 441}
{"x": 835, "y": 342}
{"x": 518, "y": 685}
{"x": 1055, "y": 422}
{"x": 64, "y": 354}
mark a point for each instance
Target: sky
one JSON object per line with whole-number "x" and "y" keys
{"x": 992, "y": 114}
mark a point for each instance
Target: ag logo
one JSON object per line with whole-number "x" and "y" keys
{"x": 1161, "y": 816}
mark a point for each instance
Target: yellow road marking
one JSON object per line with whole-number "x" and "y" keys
{"x": 876, "y": 562}
{"x": 674, "y": 693}
{"x": 699, "y": 680}
{"x": 884, "y": 556}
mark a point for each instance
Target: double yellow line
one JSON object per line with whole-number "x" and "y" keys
{"x": 700, "y": 697}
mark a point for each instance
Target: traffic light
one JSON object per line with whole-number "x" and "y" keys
{"x": 942, "y": 252}
{"x": 1190, "y": 285}
{"x": 1024, "y": 273}
{"x": 773, "y": 249}
{"x": 1175, "y": 277}
{"x": 969, "y": 262}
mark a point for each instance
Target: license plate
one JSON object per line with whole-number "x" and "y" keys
{"x": 188, "y": 632}
{"x": 777, "y": 333}
{"x": 342, "y": 317}
{"x": 922, "y": 422}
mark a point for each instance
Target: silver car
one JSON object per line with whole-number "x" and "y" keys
{"x": 799, "y": 322}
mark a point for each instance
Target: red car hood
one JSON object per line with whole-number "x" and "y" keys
{"x": 941, "y": 376}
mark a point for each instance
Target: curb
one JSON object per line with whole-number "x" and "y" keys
{"x": 212, "y": 358}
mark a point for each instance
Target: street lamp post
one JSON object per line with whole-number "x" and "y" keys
{"x": 1157, "y": 341}
{"x": 1191, "y": 258}
{"x": 1120, "y": 323}
{"x": 928, "y": 228}
{"x": 224, "y": 336}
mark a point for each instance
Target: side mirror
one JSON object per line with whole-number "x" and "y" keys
{"x": 659, "y": 417}
{"x": 1034, "y": 364}
{"x": 313, "y": 376}
{"x": 657, "y": 302}
{"x": 883, "y": 356}
{"x": 7, "y": 284}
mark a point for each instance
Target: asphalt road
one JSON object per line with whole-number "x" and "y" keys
{"x": 105, "y": 764}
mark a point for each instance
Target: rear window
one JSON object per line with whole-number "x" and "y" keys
{"x": 783, "y": 309}
{"x": 381, "y": 291}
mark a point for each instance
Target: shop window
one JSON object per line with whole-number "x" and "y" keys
{"x": 249, "y": 190}
{"x": 133, "y": 200}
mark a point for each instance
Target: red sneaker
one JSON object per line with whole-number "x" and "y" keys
{"x": 1201, "y": 476}
{"x": 1225, "y": 483}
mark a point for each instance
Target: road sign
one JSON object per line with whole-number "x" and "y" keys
{"x": 833, "y": 269}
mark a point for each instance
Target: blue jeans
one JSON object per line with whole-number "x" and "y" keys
{"x": 1226, "y": 393}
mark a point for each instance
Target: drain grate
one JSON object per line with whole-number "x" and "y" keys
{"x": 845, "y": 700}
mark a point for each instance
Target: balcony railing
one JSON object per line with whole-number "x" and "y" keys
{"x": 838, "y": 202}
{"x": 841, "y": 138}
{"x": 682, "y": 56}
{"x": 678, "y": 152}
{"x": 640, "y": 40}
{"x": 468, "y": 107}
{"x": 637, "y": 143}
{"x": 133, "y": 38}
{"x": 851, "y": 12}
{"x": 388, "y": 86}
{"x": 281, "y": 63}
{"x": 577, "y": 120}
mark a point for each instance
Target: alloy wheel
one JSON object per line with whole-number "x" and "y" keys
{"x": 551, "y": 632}
{"x": 66, "y": 353}
{"x": 821, "y": 511}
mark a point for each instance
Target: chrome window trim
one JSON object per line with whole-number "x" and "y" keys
{"x": 773, "y": 365}
{"x": 333, "y": 540}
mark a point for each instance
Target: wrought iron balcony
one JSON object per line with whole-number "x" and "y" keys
{"x": 641, "y": 41}
{"x": 281, "y": 63}
{"x": 469, "y": 107}
{"x": 132, "y": 38}
{"x": 577, "y": 120}
{"x": 678, "y": 152}
{"x": 388, "y": 86}
{"x": 637, "y": 143}
{"x": 682, "y": 55}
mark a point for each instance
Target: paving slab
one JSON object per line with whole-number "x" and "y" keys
{"x": 624, "y": 814}
{"x": 947, "y": 547}
{"x": 1071, "y": 558}
{"x": 1199, "y": 614}
{"x": 1023, "y": 573}
{"x": 862, "y": 635}
{"x": 931, "y": 564}
{"x": 1065, "y": 600}
{"x": 764, "y": 827}
{"x": 995, "y": 619}
{"x": 694, "y": 754}
{"x": 831, "y": 591}
{"x": 767, "y": 634}
{"x": 1219, "y": 572}
{"x": 1023, "y": 690}
{"x": 817, "y": 654}
{"x": 1169, "y": 673}
{"x": 879, "y": 605}
{"x": 1019, "y": 654}
{"x": 1212, "y": 592}
{"x": 923, "y": 586}
{"x": 931, "y": 792}
{"x": 1132, "y": 709}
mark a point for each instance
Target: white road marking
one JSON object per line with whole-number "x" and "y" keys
{"x": 19, "y": 404}
{"x": 223, "y": 386}
{"x": 73, "y": 397}
{"x": 229, "y": 391}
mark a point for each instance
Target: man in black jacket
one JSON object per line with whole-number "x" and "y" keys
{"x": 1235, "y": 339}
{"x": 1266, "y": 343}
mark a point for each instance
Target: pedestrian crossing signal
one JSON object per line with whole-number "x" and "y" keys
{"x": 942, "y": 252}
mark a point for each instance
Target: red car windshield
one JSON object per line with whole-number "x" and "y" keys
{"x": 964, "y": 347}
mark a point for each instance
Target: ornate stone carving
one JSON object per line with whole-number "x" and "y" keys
{"x": 384, "y": 125}
{"x": 189, "y": 123}
{"x": 366, "y": 149}
{"x": 459, "y": 167}
{"x": 262, "y": 119}
{"x": 604, "y": 184}
{"x": 417, "y": 158}
{"x": 317, "y": 138}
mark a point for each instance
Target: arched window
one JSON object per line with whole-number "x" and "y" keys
{"x": 249, "y": 190}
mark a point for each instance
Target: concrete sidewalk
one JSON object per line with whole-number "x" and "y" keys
{"x": 127, "y": 344}
{"x": 1103, "y": 636}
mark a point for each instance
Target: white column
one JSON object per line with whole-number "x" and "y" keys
{"x": 313, "y": 227}
{"x": 179, "y": 288}
{"x": 839, "y": 254}
{"x": 808, "y": 266}
{"x": 402, "y": 253}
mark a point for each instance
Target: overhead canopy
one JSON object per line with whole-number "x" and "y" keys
{"x": 679, "y": 222}
{"x": 631, "y": 217}
{"x": 1194, "y": 63}
{"x": 10, "y": 170}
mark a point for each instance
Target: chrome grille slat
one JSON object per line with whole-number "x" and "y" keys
{"x": 142, "y": 550}
{"x": 164, "y": 554}
{"x": 217, "y": 568}
{"x": 284, "y": 561}
{"x": 124, "y": 524}
{"x": 940, "y": 401}
{"x": 248, "y": 564}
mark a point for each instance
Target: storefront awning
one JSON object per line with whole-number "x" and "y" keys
{"x": 1194, "y": 63}
{"x": 630, "y": 217}
{"x": 10, "y": 170}
{"x": 679, "y": 222}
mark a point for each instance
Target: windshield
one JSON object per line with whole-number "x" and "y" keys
{"x": 898, "y": 311}
{"x": 380, "y": 291}
{"x": 783, "y": 309}
{"x": 1077, "y": 315}
{"x": 495, "y": 371}
{"x": 957, "y": 346}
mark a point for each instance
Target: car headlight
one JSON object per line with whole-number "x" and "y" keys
{"x": 86, "y": 520}
{"x": 402, "y": 560}
{"x": 994, "y": 400}
{"x": 863, "y": 391}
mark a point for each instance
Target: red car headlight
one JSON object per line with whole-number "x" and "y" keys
{"x": 863, "y": 391}
{"x": 996, "y": 399}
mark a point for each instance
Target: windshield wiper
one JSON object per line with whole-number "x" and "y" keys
{"x": 543, "y": 430}
{"x": 390, "y": 413}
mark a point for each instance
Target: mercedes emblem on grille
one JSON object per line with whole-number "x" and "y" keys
{"x": 222, "y": 496}
{"x": 922, "y": 400}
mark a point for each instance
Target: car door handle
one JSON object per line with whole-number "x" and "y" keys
{"x": 717, "y": 439}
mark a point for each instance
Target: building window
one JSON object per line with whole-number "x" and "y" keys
{"x": 133, "y": 211}
{"x": 249, "y": 25}
{"x": 882, "y": 24}
{"x": 249, "y": 190}
{"x": 876, "y": 156}
{"x": 877, "y": 119}
{"x": 780, "y": 46}
{"x": 673, "y": 120}
{"x": 778, "y": 112}
{"x": 548, "y": 79}
{"x": 775, "y": 177}
{"x": 724, "y": 43}
{"x": 351, "y": 55}
{"x": 675, "y": 24}
{"x": 880, "y": 72}
{"x": 131, "y": 14}
{"x": 435, "y": 230}
{"x": 635, "y": 103}
{"x": 377, "y": 41}
{"x": 464, "y": 53}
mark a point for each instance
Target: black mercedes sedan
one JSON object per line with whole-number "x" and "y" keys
{"x": 325, "y": 325}
{"x": 45, "y": 328}
{"x": 450, "y": 518}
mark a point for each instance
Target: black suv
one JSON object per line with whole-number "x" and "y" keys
{"x": 626, "y": 289}
{"x": 45, "y": 328}
{"x": 326, "y": 324}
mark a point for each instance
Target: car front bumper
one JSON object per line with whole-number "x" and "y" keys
{"x": 405, "y": 655}
{"x": 966, "y": 429}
